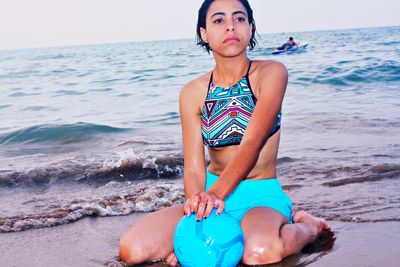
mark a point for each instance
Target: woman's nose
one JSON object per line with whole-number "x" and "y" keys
{"x": 230, "y": 27}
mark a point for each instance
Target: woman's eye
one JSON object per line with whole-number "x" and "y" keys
{"x": 217, "y": 21}
{"x": 241, "y": 19}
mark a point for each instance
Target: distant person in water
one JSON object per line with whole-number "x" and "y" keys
{"x": 289, "y": 44}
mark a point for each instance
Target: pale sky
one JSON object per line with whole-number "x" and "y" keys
{"x": 43, "y": 23}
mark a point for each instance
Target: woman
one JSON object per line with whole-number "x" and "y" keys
{"x": 215, "y": 110}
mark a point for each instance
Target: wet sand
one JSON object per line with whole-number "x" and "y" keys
{"x": 94, "y": 242}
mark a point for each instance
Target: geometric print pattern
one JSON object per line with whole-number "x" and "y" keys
{"x": 227, "y": 112}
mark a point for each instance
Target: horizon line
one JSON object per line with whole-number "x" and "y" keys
{"x": 176, "y": 39}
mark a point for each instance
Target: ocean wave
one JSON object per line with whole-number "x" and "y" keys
{"x": 349, "y": 210}
{"x": 38, "y": 108}
{"x": 356, "y": 219}
{"x": 65, "y": 133}
{"x": 389, "y": 43}
{"x": 67, "y": 92}
{"x": 143, "y": 198}
{"x": 119, "y": 191}
{"x": 5, "y": 106}
{"x": 126, "y": 167}
{"x": 386, "y": 71}
{"x": 283, "y": 160}
{"x": 21, "y": 94}
{"x": 375, "y": 173}
{"x": 174, "y": 116}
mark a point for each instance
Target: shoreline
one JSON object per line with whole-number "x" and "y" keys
{"x": 93, "y": 241}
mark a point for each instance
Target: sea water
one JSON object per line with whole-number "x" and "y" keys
{"x": 95, "y": 130}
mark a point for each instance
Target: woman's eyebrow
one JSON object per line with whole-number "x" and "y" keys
{"x": 233, "y": 13}
{"x": 239, "y": 12}
{"x": 217, "y": 14}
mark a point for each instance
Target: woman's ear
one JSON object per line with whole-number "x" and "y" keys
{"x": 203, "y": 34}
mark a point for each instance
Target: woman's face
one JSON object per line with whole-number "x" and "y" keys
{"x": 228, "y": 31}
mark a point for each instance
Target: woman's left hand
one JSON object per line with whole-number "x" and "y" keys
{"x": 203, "y": 203}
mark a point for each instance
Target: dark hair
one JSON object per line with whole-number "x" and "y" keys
{"x": 201, "y": 23}
{"x": 290, "y": 38}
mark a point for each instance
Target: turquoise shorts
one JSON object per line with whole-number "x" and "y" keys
{"x": 255, "y": 193}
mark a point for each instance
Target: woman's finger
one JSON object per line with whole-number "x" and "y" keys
{"x": 202, "y": 206}
{"x": 186, "y": 208}
{"x": 221, "y": 206}
{"x": 216, "y": 203}
{"x": 194, "y": 204}
{"x": 209, "y": 208}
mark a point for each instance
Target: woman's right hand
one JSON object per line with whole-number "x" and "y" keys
{"x": 202, "y": 204}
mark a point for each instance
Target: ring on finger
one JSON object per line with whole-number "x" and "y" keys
{"x": 216, "y": 203}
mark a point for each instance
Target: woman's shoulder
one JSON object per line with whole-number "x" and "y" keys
{"x": 265, "y": 68}
{"x": 196, "y": 88}
{"x": 268, "y": 74}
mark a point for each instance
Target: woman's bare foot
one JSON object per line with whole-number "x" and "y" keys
{"x": 317, "y": 224}
{"x": 171, "y": 259}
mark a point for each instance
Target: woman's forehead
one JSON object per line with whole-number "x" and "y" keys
{"x": 226, "y": 7}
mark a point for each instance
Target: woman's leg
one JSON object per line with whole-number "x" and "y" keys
{"x": 269, "y": 237}
{"x": 151, "y": 237}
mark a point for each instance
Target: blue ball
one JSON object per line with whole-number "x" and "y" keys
{"x": 215, "y": 241}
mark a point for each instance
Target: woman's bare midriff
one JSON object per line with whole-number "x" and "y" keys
{"x": 264, "y": 168}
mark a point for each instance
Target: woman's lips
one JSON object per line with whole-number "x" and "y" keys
{"x": 231, "y": 39}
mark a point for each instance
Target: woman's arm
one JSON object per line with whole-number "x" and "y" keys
{"x": 193, "y": 148}
{"x": 272, "y": 83}
{"x": 197, "y": 200}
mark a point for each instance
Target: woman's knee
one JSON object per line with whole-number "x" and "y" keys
{"x": 146, "y": 240}
{"x": 263, "y": 252}
{"x": 130, "y": 251}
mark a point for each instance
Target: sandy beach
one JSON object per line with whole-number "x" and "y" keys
{"x": 93, "y": 241}
{"x": 92, "y": 133}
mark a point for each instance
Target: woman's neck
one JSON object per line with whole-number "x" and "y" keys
{"x": 228, "y": 71}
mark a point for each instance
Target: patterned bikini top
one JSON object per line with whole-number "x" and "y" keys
{"x": 227, "y": 111}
